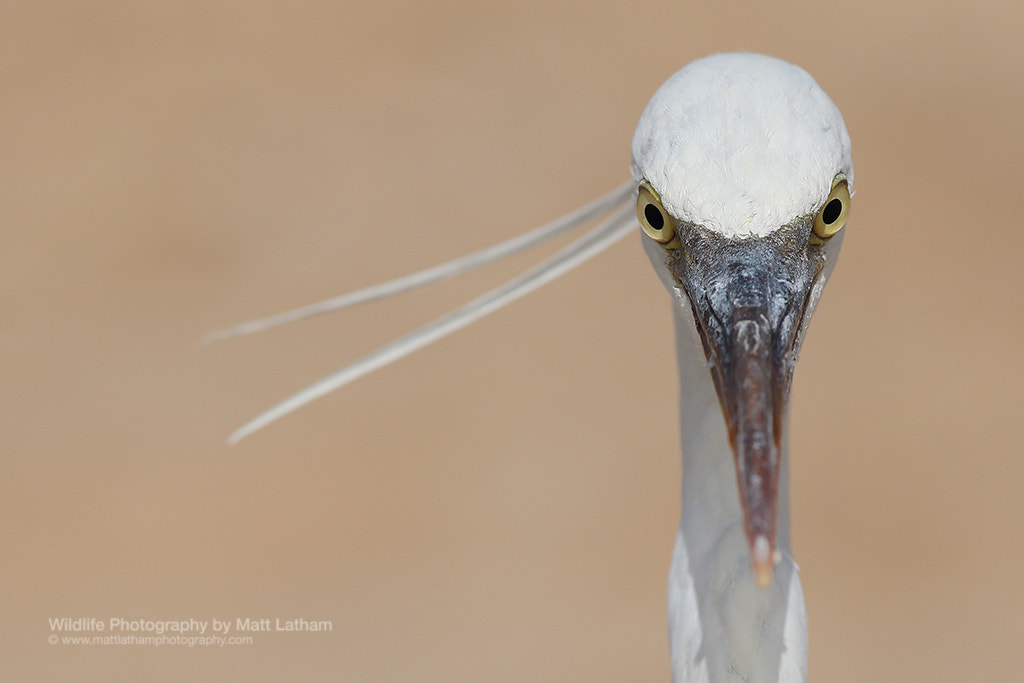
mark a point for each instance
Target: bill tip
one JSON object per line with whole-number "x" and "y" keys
{"x": 763, "y": 560}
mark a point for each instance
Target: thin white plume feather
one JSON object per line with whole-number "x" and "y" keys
{"x": 610, "y": 230}
{"x": 560, "y": 226}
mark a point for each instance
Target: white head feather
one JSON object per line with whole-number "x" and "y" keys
{"x": 741, "y": 144}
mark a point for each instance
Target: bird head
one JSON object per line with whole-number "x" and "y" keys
{"x": 744, "y": 178}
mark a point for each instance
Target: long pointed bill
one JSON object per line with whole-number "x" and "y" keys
{"x": 748, "y": 299}
{"x": 748, "y": 386}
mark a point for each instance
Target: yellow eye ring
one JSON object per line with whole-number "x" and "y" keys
{"x": 654, "y": 219}
{"x": 832, "y": 216}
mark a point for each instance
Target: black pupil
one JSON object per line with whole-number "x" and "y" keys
{"x": 832, "y": 210}
{"x": 654, "y": 217}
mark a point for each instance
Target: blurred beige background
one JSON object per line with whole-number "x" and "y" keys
{"x": 500, "y": 506}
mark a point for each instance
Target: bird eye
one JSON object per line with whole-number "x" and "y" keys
{"x": 832, "y": 216}
{"x": 653, "y": 218}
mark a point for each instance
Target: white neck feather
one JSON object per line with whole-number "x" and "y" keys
{"x": 722, "y": 627}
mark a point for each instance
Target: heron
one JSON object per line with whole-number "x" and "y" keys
{"x": 741, "y": 184}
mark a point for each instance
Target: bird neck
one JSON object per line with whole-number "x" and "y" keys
{"x": 723, "y": 627}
